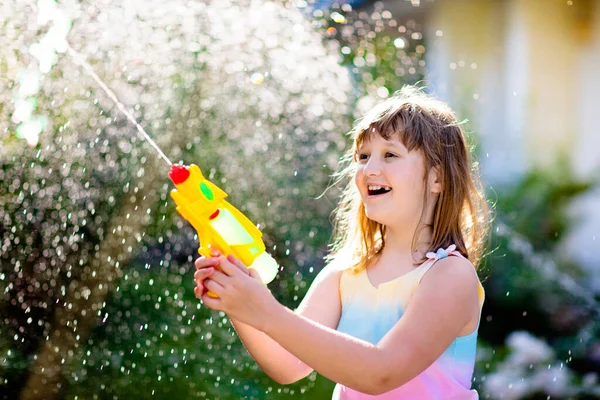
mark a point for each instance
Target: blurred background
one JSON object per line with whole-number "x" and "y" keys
{"x": 96, "y": 266}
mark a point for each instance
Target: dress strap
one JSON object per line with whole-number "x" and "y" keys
{"x": 443, "y": 253}
{"x": 432, "y": 258}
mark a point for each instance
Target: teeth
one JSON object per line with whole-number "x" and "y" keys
{"x": 376, "y": 187}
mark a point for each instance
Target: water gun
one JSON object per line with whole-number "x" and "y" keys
{"x": 219, "y": 224}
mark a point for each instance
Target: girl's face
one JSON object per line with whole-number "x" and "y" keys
{"x": 390, "y": 181}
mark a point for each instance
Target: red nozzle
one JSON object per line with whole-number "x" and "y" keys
{"x": 179, "y": 173}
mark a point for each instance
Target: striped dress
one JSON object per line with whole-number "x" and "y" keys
{"x": 368, "y": 313}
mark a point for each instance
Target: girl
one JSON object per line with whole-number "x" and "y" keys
{"x": 395, "y": 313}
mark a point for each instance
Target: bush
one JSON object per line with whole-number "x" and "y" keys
{"x": 529, "y": 289}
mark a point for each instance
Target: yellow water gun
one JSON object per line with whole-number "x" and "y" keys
{"x": 219, "y": 224}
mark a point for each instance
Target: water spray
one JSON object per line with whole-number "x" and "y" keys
{"x": 79, "y": 60}
{"x": 202, "y": 203}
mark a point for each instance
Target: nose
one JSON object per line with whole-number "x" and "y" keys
{"x": 372, "y": 167}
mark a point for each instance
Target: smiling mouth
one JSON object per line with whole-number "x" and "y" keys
{"x": 375, "y": 190}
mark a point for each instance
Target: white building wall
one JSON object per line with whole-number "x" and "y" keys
{"x": 552, "y": 83}
{"x": 513, "y": 92}
{"x": 475, "y": 57}
{"x": 583, "y": 243}
{"x": 586, "y": 151}
{"x": 527, "y": 75}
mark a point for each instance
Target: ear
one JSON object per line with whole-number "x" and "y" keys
{"x": 434, "y": 180}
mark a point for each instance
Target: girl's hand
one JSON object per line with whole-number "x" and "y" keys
{"x": 205, "y": 267}
{"x": 242, "y": 294}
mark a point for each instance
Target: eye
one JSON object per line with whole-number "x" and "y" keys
{"x": 362, "y": 156}
{"x": 390, "y": 155}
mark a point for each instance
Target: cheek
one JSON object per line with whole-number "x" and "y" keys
{"x": 419, "y": 195}
{"x": 417, "y": 178}
{"x": 358, "y": 177}
{"x": 414, "y": 186}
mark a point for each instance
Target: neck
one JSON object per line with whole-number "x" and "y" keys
{"x": 401, "y": 241}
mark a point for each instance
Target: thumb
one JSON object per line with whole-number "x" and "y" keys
{"x": 254, "y": 274}
{"x": 237, "y": 263}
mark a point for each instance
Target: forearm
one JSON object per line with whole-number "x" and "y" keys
{"x": 274, "y": 360}
{"x": 337, "y": 356}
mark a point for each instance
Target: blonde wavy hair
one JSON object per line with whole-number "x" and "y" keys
{"x": 428, "y": 125}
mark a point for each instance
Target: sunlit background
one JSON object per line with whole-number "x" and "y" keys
{"x": 96, "y": 265}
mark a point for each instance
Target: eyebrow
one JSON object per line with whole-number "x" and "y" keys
{"x": 395, "y": 143}
{"x": 390, "y": 143}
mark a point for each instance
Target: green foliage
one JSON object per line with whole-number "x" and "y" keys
{"x": 528, "y": 286}
{"x": 382, "y": 52}
{"x": 535, "y": 207}
{"x": 91, "y": 194}
{"x": 154, "y": 334}
{"x": 531, "y": 219}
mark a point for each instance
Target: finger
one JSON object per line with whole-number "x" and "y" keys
{"x": 210, "y": 302}
{"x": 199, "y": 291}
{"x": 220, "y": 278}
{"x": 203, "y": 273}
{"x": 229, "y": 268}
{"x": 214, "y": 252}
{"x": 237, "y": 263}
{"x": 214, "y": 287}
{"x": 204, "y": 262}
{"x": 254, "y": 274}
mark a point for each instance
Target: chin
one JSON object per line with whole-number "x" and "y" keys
{"x": 376, "y": 217}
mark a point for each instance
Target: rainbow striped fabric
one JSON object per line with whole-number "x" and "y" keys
{"x": 368, "y": 313}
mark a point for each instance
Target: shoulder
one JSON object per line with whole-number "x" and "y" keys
{"x": 332, "y": 272}
{"x": 452, "y": 274}
{"x": 331, "y": 279}
{"x": 322, "y": 302}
